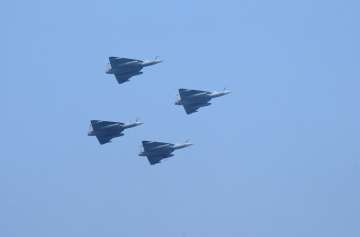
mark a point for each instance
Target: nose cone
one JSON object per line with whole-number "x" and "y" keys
{"x": 183, "y": 145}
{"x": 138, "y": 123}
{"x": 188, "y": 144}
{"x": 131, "y": 125}
{"x": 226, "y": 92}
{"x": 220, "y": 93}
{"x": 149, "y": 63}
{"x": 158, "y": 61}
{"x": 155, "y": 62}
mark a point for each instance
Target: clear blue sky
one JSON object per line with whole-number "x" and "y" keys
{"x": 279, "y": 157}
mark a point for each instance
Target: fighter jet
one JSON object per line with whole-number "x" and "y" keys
{"x": 192, "y": 100}
{"x": 125, "y": 68}
{"x": 107, "y": 130}
{"x": 157, "y": 151}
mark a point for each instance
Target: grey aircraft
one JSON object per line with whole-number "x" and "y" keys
{"x": 157, "y": 151}
{"x": 192, "y": 100}
{"x": 125, "y": 68}
{"x": 107, "y": 130}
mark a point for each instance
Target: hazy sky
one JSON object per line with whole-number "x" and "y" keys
{"x": 279, "y": 157}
